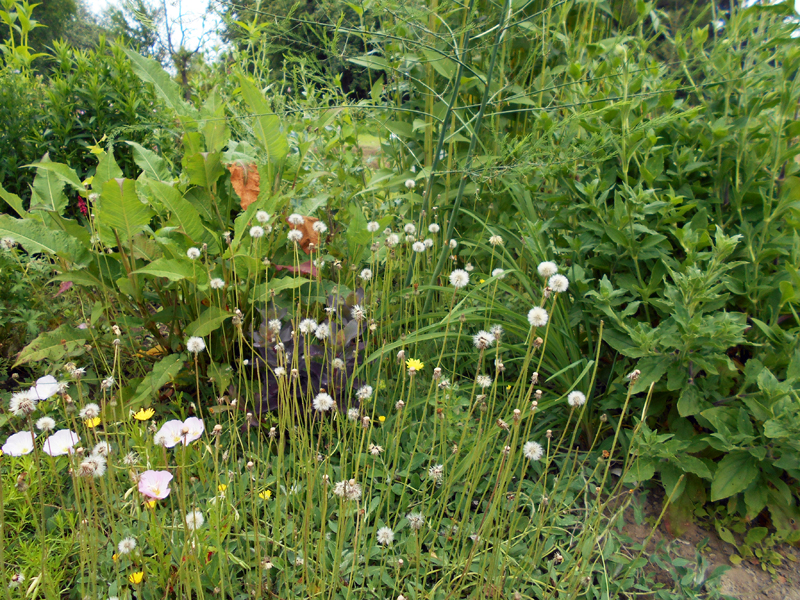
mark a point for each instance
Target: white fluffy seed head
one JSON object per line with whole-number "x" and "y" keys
{"x": 385, "y": 536}
{"x": 459, "y": 278}
{"x": 558, "y": 283}
{"x": 194, "y": 520}
{"x": 193, "y": 253}
{"x": 547, "y": 269}
{"x": 295, "y": 235}
{"x": 323, "y": 402}
{"x": 433, "y": 228}
{"x": 195, "y": 345}
{"x": 256, "y": 232}
{"x": 217, "y": 283}
{"x": 366, "y": 274}
{"x": 296, "y": 219}
{"x": 576, "y": 399}
{"x": 537, "y": 316}
{"x": 410, "y": 228}
{"x": 410, "y": 184}
{"x": 262, "y": 216}
{"x": 532, "y": 451}
{"x": 319, "y": 227}
{"x": 373, "y": 226}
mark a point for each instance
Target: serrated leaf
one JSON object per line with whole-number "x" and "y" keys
{"x": 735, "y": 472}
{"x": 210, "y": 320}
{"x": 53, "y": 345}
{"x": 36, "y": 237}
{"x": 171, "y": 268}
{"x": 163, "y": 372}
{"x": 48, "y": 190}
{"x": 119, "y": 208}
{"x": 61, "y": 171}
{"x": 150, "y": 71}
{"x": 266, "y": 126}
{"x": 150, "y": 163}
{"x": 183, "y": 214}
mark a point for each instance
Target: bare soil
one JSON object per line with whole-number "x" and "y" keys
{"x": 748, "y": 581}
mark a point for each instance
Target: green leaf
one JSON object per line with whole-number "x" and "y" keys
{"x": 691, "y": 401}
{"x": 163, "y": 372}
{"x": 211, "y": 320}
{"x": 48, "y": 191}
{"x": 735, "y": 473}
{"x": 151, "y": 163}
{"x": 278, "y": 285}
{"x": 120, "y": 209}
{"x": 371, "y": 62}
{"x": 171, "y": 268}
{"x": 107, "y": 169}
{"x": 184, "y": 215}
{"x": 36, "y": 237}
{"x": 692, "y": 464}
{"x": 13, "y": 201}
{"x": 203, "y": 168}
{"x": 149, "y": 71}
{"x": 266, "y": 126}
{"x": 653, "y": 369}
{"x": 53, "y": 345}
{"x": 62, "y": 172}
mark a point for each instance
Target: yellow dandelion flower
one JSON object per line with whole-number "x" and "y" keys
{"x": 143, "y": 414}
{"x": 222, "y": 487}
{"x": 265, "y": 495}
{"x": 136, "y": 578}
{"x": 381, "y": 418}
{"x": 93, "y": 422}
{"x": 414, "y": 363}
{"x": 115, "y": 557}
{"x": 508, "y": 387}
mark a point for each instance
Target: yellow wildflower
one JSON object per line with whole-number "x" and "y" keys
{"x": 416, "y": 364}
{"x": 93, "y": 422}
{"x": 136, "y": 578}
{"x": 222, "y": 487}
{"x": 150, "y": 503}
{"x": 143, "y": 414}
{"x": 381, "y": 418}
{"x": 265, "y": 495}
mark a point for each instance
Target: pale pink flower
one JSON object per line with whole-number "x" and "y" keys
{"x": 155, "y": 484}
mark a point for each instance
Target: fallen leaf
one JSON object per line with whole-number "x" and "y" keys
{"x": 309, "y": 235}
{"x": 306, "y": 268}
{"x": 65, "y": 285}
{"x": 246, "y": 182}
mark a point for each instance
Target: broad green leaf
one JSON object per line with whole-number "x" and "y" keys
{"x": 278, "y": 285}
{"x": 53, "y": 345}
{"x": 171, "y": 268}
{"x": 734, "y": 474}
{"x": 183, "y": 214}
{"x": 203, "y": 168}
{"x": 266, "y": 126}
{"x": 48, "y": 191}
{"x": 62, "y": 172}
{"x": 107, "y": 169}
{"x": 13, "y": 201}
{"x": 36, "y": 237}
{"x": 151, "y": 163}
{"x": 163, "y": 372}
{"x": 443, "y": 65}
{"x": 371, "y": 62}
{"x": 211, "y": 320}
{"x": 120, "y": 208}
{"x": 149, "y": 71}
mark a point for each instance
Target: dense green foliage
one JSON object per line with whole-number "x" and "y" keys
{"x": 650, "y": 157}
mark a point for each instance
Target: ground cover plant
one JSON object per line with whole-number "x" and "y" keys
{"x": 277, "y": 367}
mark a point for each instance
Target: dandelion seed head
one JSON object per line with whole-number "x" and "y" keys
{"x": 194, "y": 520}
{"x": 126, "y": 545}
{"x": 323, "y": 402}
{"x": 576, "y": 399}
{"x": 415, "y": 520}
{"x": 373, "y": 226}
{"x": 537, "y": 317}
{"x": 483, "y": 381}
{"x": 496, "y": 240}
{"x": 319, "y": 227}
{"x": 532, "y": 450}
{"x": 392, "y": 240}
{"x": 46, "y": 424}
{"x": 8, "y": 243}
{"x": 364, "y": 393}
{"x": 459, "y": 278}
{"x": 385, "y": 536}
{"x": 353, "y": 415}
{"x": 102, "y": 449}
{"x": 22, "y": 403}
{"x": 558, "y": 283}
{"x": 410, "y": 228}
{"x": 262, "y": 216}
{"x": 436, "y": 473}
{"x": 322, "y": 331}
{"x": 217, "y": 283}
{"x": 358, "y": 313}
{"x": 295, "y": 219}
{"x": 307, "y": 326}
{"x": 499, "y": 273}
{"x": 195, "y": 345}
{"x": 428, "y": 242}
{"x": 337, "y": 364}
{"x": 90, "y": 411}
{"x": 418, "y": 247}
{"x": 483, "y": 340}
{"x": 294, "y": 235}
{"x": 547, "y": 269}
{"x": 193, "y": 253}
{"x": 366, "y": 274}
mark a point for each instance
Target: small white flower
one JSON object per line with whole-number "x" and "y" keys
{"x": 126, "y": 545}
{"x": 256, "y": 231}
{"x": 385, "y": 536}
{"x": 459, "y": 278}
{"x": 410, "y": 228}
{"x": 496, "y": 240}
{"x": 60, "y": 443}
{"x": 532, "y": 451}
{"x": 436, "y": 472}
{"x": 337, "y": 364}
{"x": 537, "y": 316}
{"x": 453, "y": 244}
{"x": 364, "y": 393}
{"x": 373, "y": 226}
{"x": 307, "y": 326}
{"x": 217, "y": 283}
{"x": 193, "y": 253}
{"x": 468, "y": 267}
{"x": 576, "y": 399}
{"x": 558, "y": 283}
{"x": 295, "y": 235}
{"x": 433, "y": 228}
{"x": 262, "y": 216}
{"x": 358, "y": 313}
{"x": 322, "y": 331}
{"x": 410, "y": 184}
{"x": 547, "y": 269}
{"x": 323, "y": 402}
{"x": 483, "y": 381}
{"x": 319, "y": 227}
{"x": 195, "y": 345}
{"x": 499, "y": 273}
{"x": 274, "y": 325}
{"x": 279, "y": 372}
{"x": 194, "y": 520}
{"x": 366, "y": 274}
{"x": 352, "y": 414}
